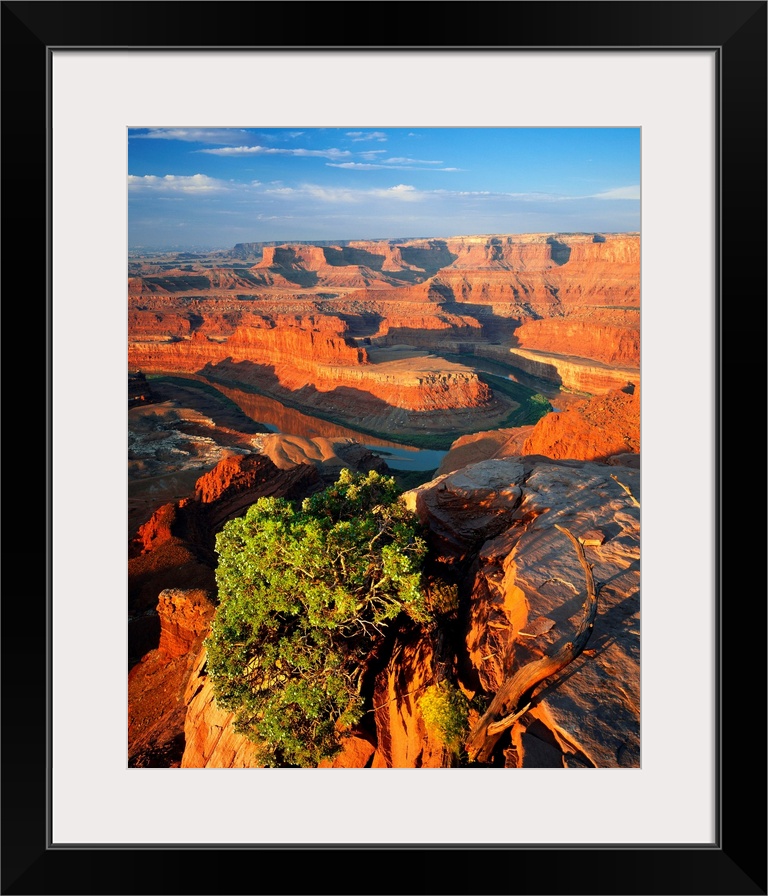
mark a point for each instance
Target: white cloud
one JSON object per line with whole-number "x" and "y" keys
{"x": 385, "y": 166}
{"x": 176, "y": 183}
{"x": 347, "y": 195}
{"x": 632, "y": 192}
{"x": 331, "y": 194}
{"x": 358, "y": 136}
{"x": 359, "y": 166}
{"x": 396, "y": 161}
{"x": 194, "y": 135}
{"x": 331, "y": 153}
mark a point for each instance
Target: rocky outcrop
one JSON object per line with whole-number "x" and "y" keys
{"x": 329, "y": 456}
{"x": 301, "y": 341}
{"x": 521, "y": 595}
{"x": 464, "y": 509}
{"x": 542, "y": 270}
{"x": 198, "y": 280}
{"x": 359, "y": 264}
{"x": 221, "y": 494}
{"x": 617, "y": 346}
{"x": 169, "y": 560}
{"x": 471, "y": 449}
{"x": 574, "y": 373}
{"x": 403, "y": 739}
{"x": 526, "y": 592}
{"x": 157, "y": 683}
{"x": 605, "y": 426}
{"x": 171, "y": 581}
{"x": 210, "y": 738}
{"x": 184, "y": 620}
{"x": 310, "y": 357}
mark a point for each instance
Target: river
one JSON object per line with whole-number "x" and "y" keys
{"x": 280, "y": 419}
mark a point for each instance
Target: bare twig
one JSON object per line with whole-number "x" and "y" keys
{"x": 626, "y": 489}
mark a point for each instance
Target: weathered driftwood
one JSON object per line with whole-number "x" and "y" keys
{"x": 627, "y": 489}
{"x": 513, "y": 698}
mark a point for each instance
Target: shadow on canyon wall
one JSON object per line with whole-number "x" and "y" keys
{"x": 356, "y": 407}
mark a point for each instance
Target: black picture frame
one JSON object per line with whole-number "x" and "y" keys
{"x": 736, "y": 863}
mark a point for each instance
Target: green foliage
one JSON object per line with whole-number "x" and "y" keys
{"x": 306, "y": 593}
{"x": 542, "y": 401}
{"x": 445, "y": 711}
{"x": 442, "y": 598}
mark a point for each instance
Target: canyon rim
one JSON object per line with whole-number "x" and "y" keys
{"x": 457, "y": 309}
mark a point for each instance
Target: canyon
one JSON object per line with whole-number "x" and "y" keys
{"x": 510, "y": 364}
{"x": 394, "y": 336}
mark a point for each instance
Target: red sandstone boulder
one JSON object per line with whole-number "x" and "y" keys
{"x": 472, "y": 449}
{"x": 184, "y": 620}
{"x": 526, "y": 591}
{"x": 156, "y": 684}
{"x": 607, "y": 425}
{"x": 467, "y": 507}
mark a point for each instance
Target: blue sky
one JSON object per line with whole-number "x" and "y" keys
{"x": 214, "y": 187}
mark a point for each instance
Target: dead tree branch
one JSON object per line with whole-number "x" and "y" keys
{"x": 632, "y": 498}
{"x": 505, "y": 708}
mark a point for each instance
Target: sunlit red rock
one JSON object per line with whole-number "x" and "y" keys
{"x": 156, "y": 684}
{"x": 403, "y": 740}
{"x": 526, "y": 593}
{"x": 303, "y": 323}
{"x": 184, "y": 620}
{"x": 606, "y": 425}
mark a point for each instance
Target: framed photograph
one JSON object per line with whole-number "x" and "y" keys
{"x": 689, "y": 79}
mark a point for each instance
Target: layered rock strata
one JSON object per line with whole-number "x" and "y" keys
{"x": 560, "y": 307}
{"x": 312, "y": 359}
{"x": 572, "y": 373}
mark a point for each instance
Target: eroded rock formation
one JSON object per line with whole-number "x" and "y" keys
{"x": 523, "y": 589}
{"x": 526, "y": 593}
{"x": 305, "y": 320}
{"x": 156, "y": 684}
{"x": 605, "y": 426}
{"x": 171, "y": 584}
